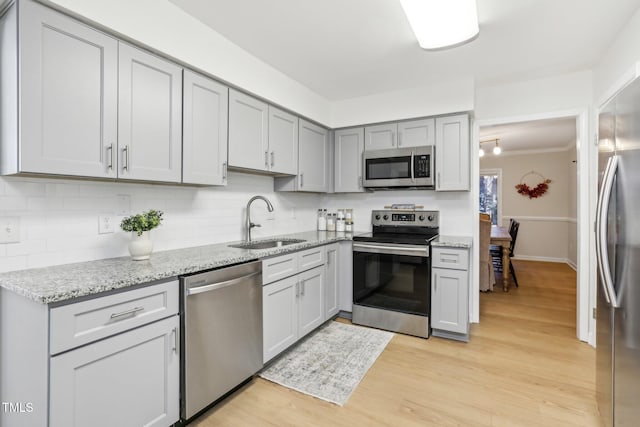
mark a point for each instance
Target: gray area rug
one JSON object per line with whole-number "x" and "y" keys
{"x": 330, "y": 363}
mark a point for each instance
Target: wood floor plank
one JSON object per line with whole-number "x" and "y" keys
{"x": 524, "y": 366}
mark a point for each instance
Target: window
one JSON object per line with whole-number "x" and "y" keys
{"x": 491, "y": 193}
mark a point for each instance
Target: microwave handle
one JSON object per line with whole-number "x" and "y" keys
{"x": 413, "y": 175}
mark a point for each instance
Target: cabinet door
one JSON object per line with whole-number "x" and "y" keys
{"x": 452, "y": 153}
{"x": 449, "y": 300}
{"x": 416, "y": 133}
{"x": 283, "y": 142}
{"x": 349, "y": 146}
{"x": 331, "y": 292}
{"x": 313, "y": 166}
{"x": 131, "y": 379}
{"x": 149, "y": 117}
{"x": 280, "y": 316}
{"x": 204, "y": 134}
{"x": 248, "y": 132}
{"x": 69, "y": 95}
{"x": 311, "y": 304}
{"x": 380, "y": 136}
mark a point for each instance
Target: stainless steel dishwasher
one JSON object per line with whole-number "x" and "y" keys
{"x": 221, "y": 321}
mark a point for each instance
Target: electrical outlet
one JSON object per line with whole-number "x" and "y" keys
{"x": 293, "y": 213}
{"x": 9, "y": 229}
{"x": 106, "y": 224}
{"x": 123, "y": 204}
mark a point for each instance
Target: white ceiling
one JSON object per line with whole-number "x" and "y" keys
{"x": 348, "y": 48}
{"x": 532, "y": 135}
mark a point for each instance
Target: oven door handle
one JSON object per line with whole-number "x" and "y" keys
{"x": 421, "y": 251}
{"x": 413, "y": 175}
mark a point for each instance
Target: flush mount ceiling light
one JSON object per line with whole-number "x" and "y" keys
{"x": 439, "y": 24}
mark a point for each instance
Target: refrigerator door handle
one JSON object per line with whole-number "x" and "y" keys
{"x": 601, "y": 230}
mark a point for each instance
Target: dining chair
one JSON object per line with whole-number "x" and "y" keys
{"x": 496, "y": 251}
{"x": 487, "y": 277}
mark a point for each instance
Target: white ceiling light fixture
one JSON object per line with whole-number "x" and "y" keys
{"x": 440, "y": 24}
{"x": 497, "y": 150}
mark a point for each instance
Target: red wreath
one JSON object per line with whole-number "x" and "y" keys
{"x": 536, "y": 191}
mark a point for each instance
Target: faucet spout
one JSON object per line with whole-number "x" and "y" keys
{"x": 248, "y": 224}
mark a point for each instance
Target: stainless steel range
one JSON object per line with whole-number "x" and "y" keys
{"x": 392, "y": 271}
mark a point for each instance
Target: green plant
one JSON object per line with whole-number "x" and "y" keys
{"x": 142, "y": 222}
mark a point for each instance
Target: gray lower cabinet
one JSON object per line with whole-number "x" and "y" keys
{"x": 332, "y": 281}
{"x": 348, "y": 150}
{"x": 149, "y": 117}
{"x": 131, "y": 379}
{"x": 293, "y": 296}
{"x": 450, "y": 293}
{"x": 204, "y": 134}
{"x": 452, "y": 153}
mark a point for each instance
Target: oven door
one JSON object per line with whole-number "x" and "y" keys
{"x": 400, "y": 167}
{"x": 392, "y": 277}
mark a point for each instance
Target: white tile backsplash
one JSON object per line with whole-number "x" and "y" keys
{"x": 59, "y": 218}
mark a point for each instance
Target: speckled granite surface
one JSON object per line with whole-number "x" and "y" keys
{"x": 64, "y": 282}
{"x": 453, "y": 242}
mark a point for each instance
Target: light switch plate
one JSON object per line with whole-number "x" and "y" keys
{"x": 106, "y": 224}
{"x": 9, "y": 229}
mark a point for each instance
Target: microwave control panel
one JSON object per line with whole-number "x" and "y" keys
{"x": 421, "y": 166}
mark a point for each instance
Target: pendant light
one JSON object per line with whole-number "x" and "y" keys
{"x": 497, "y": 150}
{"x": 439, "y": 24}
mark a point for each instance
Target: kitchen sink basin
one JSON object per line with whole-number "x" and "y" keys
{"x": 266, "y": 244}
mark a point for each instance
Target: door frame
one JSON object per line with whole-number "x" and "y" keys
{"x": 585, "y": 286}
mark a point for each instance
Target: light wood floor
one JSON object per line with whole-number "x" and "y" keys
{"x": 523, "y": 367}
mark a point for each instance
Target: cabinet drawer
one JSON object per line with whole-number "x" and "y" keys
{"x": 279, "y": 267}
{"x": 311, "y": 258}
{"x": 454, "y": 258}
{"x": 81, "y": 323}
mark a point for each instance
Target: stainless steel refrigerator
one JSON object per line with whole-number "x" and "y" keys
{"x": 618, "y": 256}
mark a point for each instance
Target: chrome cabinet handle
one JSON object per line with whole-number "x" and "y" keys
{"x": 301, "y": 180}
{"x": 399, "y": 139}
{"x": 224, "y": 171}
{"x": 273, "y": 157}
{"x": 125, "y": 165}
{"x": 110, "y": 156}
{"x": 438, "y": 179}
{"x": 126, "y": 312}
{"x": 360, "y": 182}
{"x": 297, "y": 289}
{"x": 302, "y": 286}
{"x": 393, "y": 139}
{"x": 266, "y": 159}
{"x": 175, "y": 340}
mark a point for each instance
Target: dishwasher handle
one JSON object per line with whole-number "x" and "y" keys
{"x": 219, "y": 285}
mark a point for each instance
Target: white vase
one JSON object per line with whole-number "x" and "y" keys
{"x": 140, "y": 247}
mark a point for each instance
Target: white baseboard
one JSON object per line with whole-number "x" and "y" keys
{"x": 546, "y": 259}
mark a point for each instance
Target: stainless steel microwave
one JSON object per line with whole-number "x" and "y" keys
{"x": 404, "y": 167}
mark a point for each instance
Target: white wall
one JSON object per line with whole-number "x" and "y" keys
{"x": 545, "y": 222}
{"x": 165, "y": 27}
{"x": 440, "y": 98}
{"x": 619, "y": 57}
{"x": 59, "y": 218}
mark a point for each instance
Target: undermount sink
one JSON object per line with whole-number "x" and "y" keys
{"x": 266, "y": 244}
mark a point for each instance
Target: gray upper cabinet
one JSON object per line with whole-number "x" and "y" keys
{"x": 416, "y": 133}
{"x": 149, "y": 117}
{"x": 313, "y": 159}
{"x": 452, "y": 153}
{"x": 380, "y": 137}
{"x": 204, "y": 138}
{"x": 283, "y": 142}
{"x": 248, "y": 132}
{"x": 349, "y": 147}
{"x": 68, "y": 96}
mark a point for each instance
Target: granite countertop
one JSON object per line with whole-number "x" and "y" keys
{"x": 64, "y": 282}
{"x": 453, "y": 242}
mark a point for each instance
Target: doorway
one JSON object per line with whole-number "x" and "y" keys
{"x": 532, "y": 147}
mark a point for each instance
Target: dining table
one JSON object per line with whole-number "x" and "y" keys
{"x": 500, "y": 237}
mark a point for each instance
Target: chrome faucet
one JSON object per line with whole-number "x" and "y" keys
{"x": 250, "y": 224}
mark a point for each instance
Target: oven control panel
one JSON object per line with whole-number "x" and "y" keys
{"x": 417, "y": 218}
